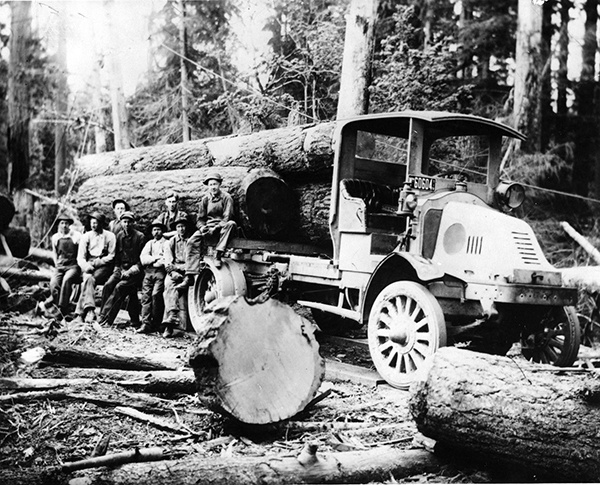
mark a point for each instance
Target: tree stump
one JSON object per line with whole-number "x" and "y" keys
{"x": 259, "y": 363}
{"x": 512, "y": 413}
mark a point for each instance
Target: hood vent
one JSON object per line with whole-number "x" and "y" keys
{"x": 526, "y": 248}
{"x": 474, "y": 244}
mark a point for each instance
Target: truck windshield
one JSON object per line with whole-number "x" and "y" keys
{"x": 465, "y": 156}
{"x": 381, "y": 148}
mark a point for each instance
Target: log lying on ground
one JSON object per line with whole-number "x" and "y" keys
{"x": 11, "y": 273}
{"x": 165, "y": 382}
{"x": 297, "y": 149}
{"x": 160, "y": 381}
{"x": 310, "y": 466}
{"x": 584, "y": 277}
{"x": 263, "y": 201}
{"x": 40, "y": 255}
{"x": 80, "y": 357}
{"x": 511, "y": 412}
{"x": 259, "y": 363}
{"x": 582, "y": 241}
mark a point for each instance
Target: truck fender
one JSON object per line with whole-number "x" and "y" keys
{"x": 397, "y": 267}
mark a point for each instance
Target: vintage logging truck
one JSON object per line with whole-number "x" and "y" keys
{"x": 425, "y": 252}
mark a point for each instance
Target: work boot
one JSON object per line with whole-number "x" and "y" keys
{"x": 145, "y": 328}
{"x": 218, "y": 260}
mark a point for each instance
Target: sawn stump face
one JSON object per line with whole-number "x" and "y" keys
{"x": 269, "y": 367}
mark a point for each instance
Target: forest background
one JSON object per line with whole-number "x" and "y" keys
{"x": 454, "y": 55}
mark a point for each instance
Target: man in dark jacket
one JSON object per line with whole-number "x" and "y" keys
{"x": 127, "y": 276}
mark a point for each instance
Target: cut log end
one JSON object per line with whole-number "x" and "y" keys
{"x": 268, "y": 363}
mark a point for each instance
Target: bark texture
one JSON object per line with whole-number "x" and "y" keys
{"x": 259, "y": 363}
{"x": 512, "y": 412}
{"x": 288, "y": 151}
{"x": 347, "y": 467}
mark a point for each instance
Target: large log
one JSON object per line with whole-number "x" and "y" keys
{"x": 512, "y": 413}
{"x": 259, "y": 363}
{"x": 18, "y": 240}
{"x": 376, "y": 465}
{"x": 257, "y": 212}
{"x": 80, "y": 357}
{"x": 293, "y": 150}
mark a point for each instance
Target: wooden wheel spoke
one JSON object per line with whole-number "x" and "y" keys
{"x": 386, "y": 319}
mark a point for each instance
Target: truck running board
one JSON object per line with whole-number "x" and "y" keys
{"x": 342, "y": 312}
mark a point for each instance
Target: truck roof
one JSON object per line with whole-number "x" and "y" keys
{"x": 442, "y": 123}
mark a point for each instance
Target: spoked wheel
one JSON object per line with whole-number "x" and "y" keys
{"x": 555, "y": 340}
{"x": 211, "y": 284}
{"x": 406, "y": 327}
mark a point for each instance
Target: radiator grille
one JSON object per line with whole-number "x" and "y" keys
{"x": 526, "y": 248}
{"x": 474, "y": 244}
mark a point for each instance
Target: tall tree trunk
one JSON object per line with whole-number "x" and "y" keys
{"x": 18, "y": 95}
{"x": 586, "y": 133}
{"x": 60, "y": 129}
{"x": 119, "y": 110}
{"x": 562, "y": 79}
{"x": 356, "y": 64}
{"x": 527, "y": 73}
{"x": 428, "y": 16}
{"x": 545, "y": 105}
{"x": 185, "y": 125}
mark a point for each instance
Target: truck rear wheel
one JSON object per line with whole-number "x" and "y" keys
{"x": 555, "y": 340}
{"x": 406, "y": 327}
{"x": 213, "y": 283}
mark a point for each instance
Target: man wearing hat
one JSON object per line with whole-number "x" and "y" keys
{"x": 170, "y": 217}
{"x": 175, "y": 266}
{"x": 153, "y": 286}
{"x": 95, "y": 257}
{"x": 215, "y": 220}
{"x": 67, "y": 273}
{"x": 127, "y": 276}
{"x": 119, "y": 207}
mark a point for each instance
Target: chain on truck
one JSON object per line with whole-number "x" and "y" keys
{"x": 425, "y": 254}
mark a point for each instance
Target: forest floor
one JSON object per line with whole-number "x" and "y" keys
{"x": 37, "y": 435}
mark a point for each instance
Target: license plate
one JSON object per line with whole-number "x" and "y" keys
{"x": 423, "y": 183}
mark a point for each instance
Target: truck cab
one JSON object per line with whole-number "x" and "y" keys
{"x": 419, "y": 205}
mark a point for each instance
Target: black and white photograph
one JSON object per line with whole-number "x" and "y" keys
{"x": 299, "y": 241}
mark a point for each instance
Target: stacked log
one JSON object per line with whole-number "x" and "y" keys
{"x": 294, "y": 166}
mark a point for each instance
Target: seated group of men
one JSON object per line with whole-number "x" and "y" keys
{"x": 122, "y": 260}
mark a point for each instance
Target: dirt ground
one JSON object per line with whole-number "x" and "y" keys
{"x": 39, "y": 434}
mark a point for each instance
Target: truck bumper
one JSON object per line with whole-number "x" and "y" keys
{"x": 522, "y": 294}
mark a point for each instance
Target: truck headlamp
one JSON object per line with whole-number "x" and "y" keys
{"x": 510, "y": 194}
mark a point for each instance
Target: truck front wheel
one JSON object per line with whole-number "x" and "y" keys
{"x": 406, "y": 327}
{"x": 555, "y": 339}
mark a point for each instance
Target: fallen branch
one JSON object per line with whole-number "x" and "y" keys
{"x": 29, "y": 275}
{"x": 153, "y": 420}
{"x": 582, "y": 241}
{"x": 20, "y": 397}
{"x": 26, "y": 384}
{"x": 133, "y": 456}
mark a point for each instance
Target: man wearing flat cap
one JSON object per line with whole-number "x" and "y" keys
{"x": 65, "y": 244}
{"x": 215, "y": 221}
{"x": 119, "y": 208}
{"x": 127, "y": 276}
{"x": 170, "y": 217}
{"x": 175, "y": 266}
{"x": 95, "y": 257}
{"x": 153, "y": 286}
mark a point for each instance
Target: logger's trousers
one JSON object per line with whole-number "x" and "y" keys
{"x": 87, "y": 298}
{"x": 114, "y": 293}
{"x": 61, "y": 285}
{"x": 197, "y": 241}
{"x": 172, "y": 296}
{"x": 153, "y": 305}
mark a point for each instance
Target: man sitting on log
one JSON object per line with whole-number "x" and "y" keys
{"x": 153, "y": 286}
{"x": 175, "y": 266}
{"x": 95, "y": 257}
{"x": 170, "y": 217}
{"x": 127, "y": 276}
{"x": 65, "y": 244}
{"x": 119, "y": 207}
{"x": 215, "y": 214}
